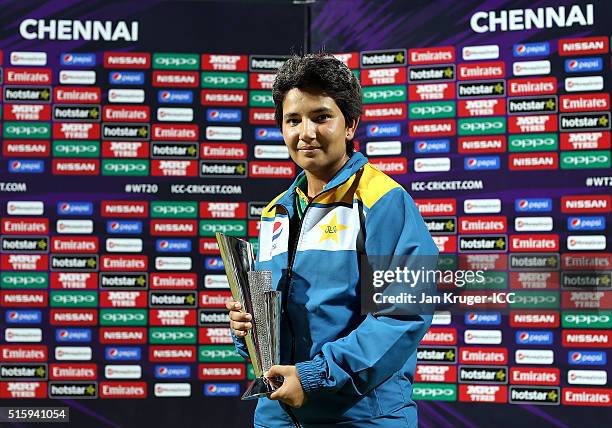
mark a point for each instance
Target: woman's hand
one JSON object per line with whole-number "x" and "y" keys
{"x": 291, "y": 391}
{"x": 240, "y": 322}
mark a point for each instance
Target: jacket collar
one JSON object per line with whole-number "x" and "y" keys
{"x": 349, "y": 169}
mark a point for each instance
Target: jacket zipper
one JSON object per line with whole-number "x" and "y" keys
{"x": 287, "y": 409}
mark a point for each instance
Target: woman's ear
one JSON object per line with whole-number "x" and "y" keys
{"x": 350, "y": 130}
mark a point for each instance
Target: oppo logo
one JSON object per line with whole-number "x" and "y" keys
{"x": 76, "y": 149}
{"x": 434, "y": 392}
{"x": 481, "y": 126}
{"x": 123, "y": 317}
{"x": 532, "y": 142}
{"x": 225, "y": 228}
{"x": 173, "y": 335}
{"x": 262, "y": 98}
{"x": 428, "y": 110}
{"x": 494, "y": 280}
{"x": 72, "y": 299}
{"x": 384, "y": 94}
{"x": 125, "y": 167}
{"x": 535, "y": 300}
{"x": 585, "y": 159}
{"x": 166, "y": 209}
{"x": 587, "y": 319}
{"x": 177, "y": 62}
{"x": 228, "y": 80}
{"x": 26, "y": 130}
{"x": 23, "y": 280}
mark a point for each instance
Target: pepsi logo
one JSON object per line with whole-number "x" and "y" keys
{"x": 277, "y": 229}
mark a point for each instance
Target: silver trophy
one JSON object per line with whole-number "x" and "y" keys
{"x": 253, "y": 289}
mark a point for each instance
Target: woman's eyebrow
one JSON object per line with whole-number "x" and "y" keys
{"x": 318, "y": 110}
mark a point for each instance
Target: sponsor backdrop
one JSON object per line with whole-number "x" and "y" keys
{"x": 132, "y": 132}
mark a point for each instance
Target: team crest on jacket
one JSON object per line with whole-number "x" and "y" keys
{"x": 330, "y": 228}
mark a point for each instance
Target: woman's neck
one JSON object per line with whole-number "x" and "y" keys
{"x": 317, "y": 181}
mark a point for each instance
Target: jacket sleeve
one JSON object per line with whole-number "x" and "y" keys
{"x": 240, "y": 345}
{"x": 380, "y": 345}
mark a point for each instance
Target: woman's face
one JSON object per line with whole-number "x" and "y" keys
{"x": 315, "y": 131}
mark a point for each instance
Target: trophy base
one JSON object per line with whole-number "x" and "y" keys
{"x": 260, "y": 387}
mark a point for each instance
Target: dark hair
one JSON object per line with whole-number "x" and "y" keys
{"x": 320, "y": 72}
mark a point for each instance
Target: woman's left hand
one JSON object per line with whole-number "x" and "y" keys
{"x": 291, "y": 391}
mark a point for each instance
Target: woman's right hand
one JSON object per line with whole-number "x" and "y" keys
{"x": 240, "y": 322}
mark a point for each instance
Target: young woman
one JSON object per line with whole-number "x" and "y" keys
{"x": 340, "y": 368}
